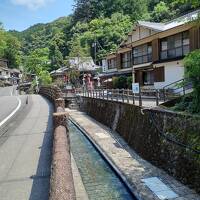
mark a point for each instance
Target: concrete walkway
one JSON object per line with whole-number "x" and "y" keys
{"x": 25, "y": 152}
{"x": 131, "y": 166}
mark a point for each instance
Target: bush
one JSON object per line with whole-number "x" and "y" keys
{"x": 120, "y": 82}
{"x": 129, "y": 82}
{"x": 115, "y": 82}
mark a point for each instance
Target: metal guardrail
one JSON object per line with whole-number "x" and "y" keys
{"x": 177, "y": 89}
{"x": 121, "y": 95}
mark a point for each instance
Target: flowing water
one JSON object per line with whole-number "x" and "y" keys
{"x": 99, "y": 179}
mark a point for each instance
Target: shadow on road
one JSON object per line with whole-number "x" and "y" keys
{"x": 41, "y": 180}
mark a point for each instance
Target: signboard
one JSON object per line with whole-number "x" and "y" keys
{"x": 136, "y": 88}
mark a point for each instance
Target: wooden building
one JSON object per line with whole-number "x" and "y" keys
{"x": 154, "y": 52}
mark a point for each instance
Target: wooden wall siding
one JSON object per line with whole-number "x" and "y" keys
{"x": 118, "y": 61}
{"x": 163, "y": 34}
{"x": 159, "y": 74}
{"x": 194, "y": 35}
{"x": 155, "y": 50}
{"x": 139, "y": 77}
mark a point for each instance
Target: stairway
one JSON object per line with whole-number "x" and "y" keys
{"x": 73, "y": 105}
{"x": 177, "y": 89}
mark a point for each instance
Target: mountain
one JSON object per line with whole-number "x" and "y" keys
{"x": 40, "y": 35}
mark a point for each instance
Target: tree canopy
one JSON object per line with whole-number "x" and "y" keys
{"x": 95, "y": 24}
{"x": 10, "y": 48}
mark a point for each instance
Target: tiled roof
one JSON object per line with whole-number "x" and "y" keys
{"x": 171, "y": 24}
{"x": 152, "y": 25}
{"x": 82, "y": 64}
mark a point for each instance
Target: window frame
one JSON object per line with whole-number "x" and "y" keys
{"x": 143, "y": 55}
{"x": 112, "y": 63}
{"x": 174, "y": 50}
{"x": 126, "y": 61}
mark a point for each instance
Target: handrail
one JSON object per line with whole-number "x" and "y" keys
{"x": 166, "y": 86}
{"x": 122, "y": 95}
{"x": 176, "y": 89}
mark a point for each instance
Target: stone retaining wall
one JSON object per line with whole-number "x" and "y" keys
{"x": 51, "y": 92}
{"x": 61, "y": 183}
{"x": 140, "y": 133}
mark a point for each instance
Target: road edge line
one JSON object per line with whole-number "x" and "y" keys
{"x": 12, "y": 113}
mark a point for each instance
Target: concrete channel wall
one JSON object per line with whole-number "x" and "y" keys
{"x": 141, "y": 134}
{"x": 61, "y": 184}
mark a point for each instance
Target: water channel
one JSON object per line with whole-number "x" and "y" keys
{"x": 100, "y": 180}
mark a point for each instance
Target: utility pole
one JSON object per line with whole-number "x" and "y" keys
{"x": 95, "y": 51}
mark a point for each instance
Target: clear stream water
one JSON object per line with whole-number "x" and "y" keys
{"x": 99, "y": 179}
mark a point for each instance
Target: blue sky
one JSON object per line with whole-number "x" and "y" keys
{"x": 20, "y": 14}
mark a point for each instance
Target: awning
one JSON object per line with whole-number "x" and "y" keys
{"x": 108, "y": 80}
{"x": 142, "y": 66}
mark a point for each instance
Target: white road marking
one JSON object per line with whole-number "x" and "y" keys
{"x": 12, "y": 113}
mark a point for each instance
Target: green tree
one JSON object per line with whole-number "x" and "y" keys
{"x": 10, "y": 48}
{"x": 161, "y": 12}
{"x": 109, "y": 32}
{"x": 37, "y": 61}
{"x": 2, "y": 43}
{"x": 44, "y": 77}
{"x": 192, "y": 65}
{"x": 78, "y": 50}
{"x": 87, "y": 10}
{"x": 56, "y": 57}
{"x": 194, "y": 3}
{"x": 56, "y": 47}
{"x": 12, "y": 52}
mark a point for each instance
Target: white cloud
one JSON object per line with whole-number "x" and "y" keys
{"x": 31, "y": 4}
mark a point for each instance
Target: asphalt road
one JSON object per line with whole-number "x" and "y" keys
{"x": 25, "y": 147}
{"x": 6, "y": 91}
{"x": 8, "y": 101}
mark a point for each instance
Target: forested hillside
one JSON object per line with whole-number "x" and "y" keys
{"x": 10, "y": 48}
{"x": 104, "y": 23}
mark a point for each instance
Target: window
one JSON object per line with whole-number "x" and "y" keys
{"x": 126, "y": 60}
{"x": 175, "y": 46}
{"x": 142, "y": 54}
{"x": 148, "y": 77}
{"x": 112, "y": 63}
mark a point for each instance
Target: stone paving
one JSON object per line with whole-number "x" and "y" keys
{"x": 132, "y": 167}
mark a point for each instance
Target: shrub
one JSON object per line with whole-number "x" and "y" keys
{"x": 120, "y": 82}
{"x": 129, "y": 82}
{"x": 115, "y": 82}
